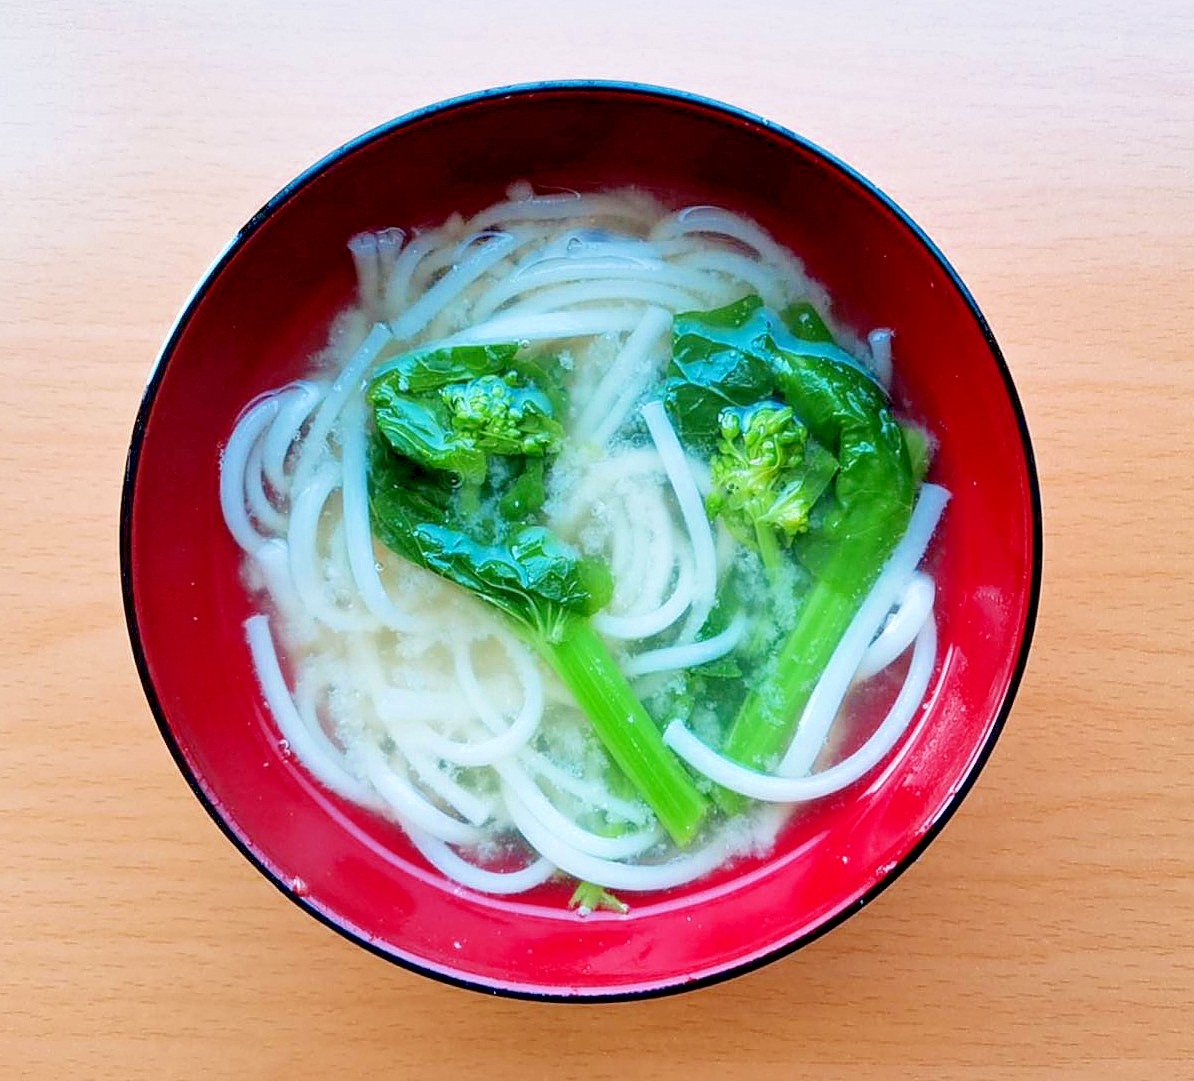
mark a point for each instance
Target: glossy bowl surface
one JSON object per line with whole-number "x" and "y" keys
{"x": 264, "y": 309}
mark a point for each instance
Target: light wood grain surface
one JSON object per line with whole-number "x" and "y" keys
{"x": 1049, "y": 932}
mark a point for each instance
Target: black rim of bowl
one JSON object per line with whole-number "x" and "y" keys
{"x": 631, "y": 89}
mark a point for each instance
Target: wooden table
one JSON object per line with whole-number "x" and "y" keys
{"x": 1049, "y": 932}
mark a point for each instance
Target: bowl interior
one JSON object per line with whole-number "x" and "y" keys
{"x": 255, "y": 324}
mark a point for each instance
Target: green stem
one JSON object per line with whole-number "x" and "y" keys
{"x": 769, "y": 550}
{"x": 626, "y": 729}
{"x": 873, "y": 494}
{"x": 768, "y": 718}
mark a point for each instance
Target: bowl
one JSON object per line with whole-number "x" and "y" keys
{"x": 263, "y": 310}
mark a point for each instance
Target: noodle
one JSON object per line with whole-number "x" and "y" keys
{"x": 416, "y": 700}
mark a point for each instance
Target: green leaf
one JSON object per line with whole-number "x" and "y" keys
{"x": 714, "y": 365}
{"x": 545, "y": 371}
{"x": 534, "y": 577}
{"x": 805, "y": 322}
{"x": 456, "y": 426}
{"x": 403, "y": 496}
{"x": 430, "y": 369}
{"x": 421, "y": 429}
{"x": 526, "y": 494}
{"x": 873, "y": 491}
{"x": 853, "y": 527}
{"x": 792, "y": 506}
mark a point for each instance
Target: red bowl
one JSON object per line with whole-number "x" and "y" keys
{"x": 263, "y": 310}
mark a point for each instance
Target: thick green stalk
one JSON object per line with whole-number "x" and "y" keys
{"x": 770, "y": 714}
{"x": 746, "y": 357}
{"x": 769, "y": 549}
{"x": 626, "y": 729}
{"x": 764, "y": 725}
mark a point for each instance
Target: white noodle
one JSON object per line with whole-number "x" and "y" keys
{"x": 257, "y": 497}
{"x": 578, "y": 294}
{"x": 397, "y": 295}
{"x": 363, "y": 248}
{"x": 790, "y": 789}
{"x": 622, "y": 547}
{"x": 389, "y": 247}
{"x": 901, "y": 628}
{"x": 826, "y": 699}
{"x": 642, "y": 556}
{"x": 566, "y": 207}
{"x": 740, "y": 268}
{"x": 349, "y": 380}
{"x": 303, "y": 546}
{"x": 234, "y": 463}
{"x": 551, "y": 326}
{"x": 649, "y": 624}
{"x": 650, "y": 505}
{"x": 476, "y": 752}
{"x": 451, "y": 285}
{"x": 487, "y": 752}
{"x": 272, "y": 560}
{"x": 547, "y": 273}
{"x": 689, "y": 655}
{"x": 401, "y": 795}
{"x": 499, "y": 883}
{"x": 292, "y": 415}
{"x": 692, "y": 509}
{"x": 603, "y": 475}
{"x": 626, "y": 379}
{"x": 313, "y": 748}
{"x": 358, "y": 533}
{"x": 613, "y": 848}
{"x": 880, "y": 343}
{"x": 436, "y": 263}
{"x": 475, "y": 810}
{"x": 400, "y": 707}
{"x": 374, "y": 256}
{"x": 587, "y": 790}
{"x": 610, "y": 873}
{"x": 338, "y": 573}
{"x": 715, "y": 220}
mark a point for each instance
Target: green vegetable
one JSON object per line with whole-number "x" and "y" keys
{"x": 803, "y": 320}
{"x": 714, "y": 365}
{"x": 503, "y": 415}
{"x": 421, "y": 429}
{"x": 455, "y": 426}
{"x": 429, "y": 369}
{"x": 920, "y": 449}
{"x": 589, "y": 897}
{"x": 584, "y": 663}
{"x": 842, "y": 526}
{"x": 527, "y": 492}
{"x": 456, "y": 483}
{"x": 767, "y": 474}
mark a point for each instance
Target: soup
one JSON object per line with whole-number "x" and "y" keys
{"x": 574, "y": 541}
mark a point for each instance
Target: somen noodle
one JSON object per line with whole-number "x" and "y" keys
{"x": 568, "y": 549}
